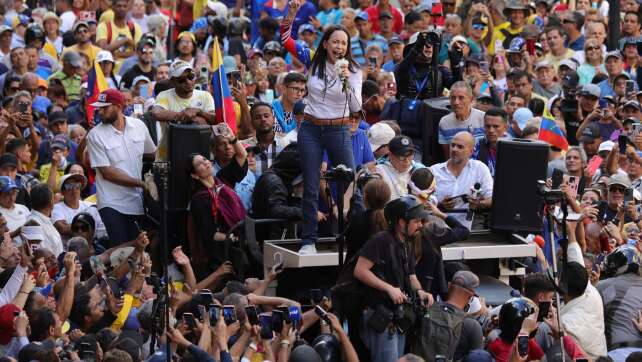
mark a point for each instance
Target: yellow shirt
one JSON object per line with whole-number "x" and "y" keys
{"x": 556, "y": 60}
{"x": 107, "y": 15}
{"x": 116, "y": 33}
{"x": 499, "y": 35}
{"x": 44, "y": 174}
{"x": 50, "y": 49}
{"x": 91, "y": 52}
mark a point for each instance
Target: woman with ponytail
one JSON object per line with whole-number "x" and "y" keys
{"x": 333, "y": 96}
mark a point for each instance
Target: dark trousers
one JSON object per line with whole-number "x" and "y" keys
{"x": 121, "y": 228}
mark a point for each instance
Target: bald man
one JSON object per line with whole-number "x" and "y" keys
{"x": 458, "y": 176}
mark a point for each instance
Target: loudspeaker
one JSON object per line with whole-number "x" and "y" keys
{"x": 184, "y": 140}
{"x": 432, "y": 151}
{"x": 516, "y": 203}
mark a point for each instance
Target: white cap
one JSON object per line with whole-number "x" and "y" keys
{"x": 379, "y": 135}
{"x": 218, "y": 7}
{"x": 457, "y": 39}
{"x": 606, "y": 146}
{"x": 104, "y": 56}
{"x": 80, "y": 178}
{"x": 178, "y": 67}
{"x": 569, "y": 63}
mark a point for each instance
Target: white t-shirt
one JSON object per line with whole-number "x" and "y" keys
{"x": 123, "y": 150}
{"x": 15, "y": 217}
{"x": 62, "y": 211}
{"x": 449, "y": 126}
{"x": 67, "y": 19}
{"x": 170, "y": 101}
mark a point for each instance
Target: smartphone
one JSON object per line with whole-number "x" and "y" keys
{"x": 601, "y": 212}
{"x": 522, "y": 346}
{"x": 189, "y": 319}
{"x": 484, "y": 66}
{"x": 295, "y": 315}
{"x": 215, "y": 313}
{"x": 530, "y": 46}
{"x": 138, "y": 109}
{"x": 316, "y": 296}
{"x": 557, "y": 178}
{"x": 321, "y": 313}
{"x": 498, "y": 45}
{"x": 628, "y": 196}
{"x": 372, "y": 61}
{"x": 265, "y": 321}
{"x": 220, "y": 129}
{"x": 630, "y": 87}
{"x": 278, "y": 262}
{"x": 229, "y": 314}
{"x": 144, "y": 91}
{"x": 252, "y": 315}
{"x": 581, "y": 360}
{"x": 621, "y": 141}
{"x": 286, "y": 314}
{"x": 277, "y": 320}
{"x": 544, "y": 307}
{"x": 23, "y": 107}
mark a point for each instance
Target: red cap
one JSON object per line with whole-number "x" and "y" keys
{"x": 7, "y": 329}
{"x": 109, "y": 97}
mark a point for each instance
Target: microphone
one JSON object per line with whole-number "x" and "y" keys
{"x": 475, "y": 194}
{"x": 338, "y": 70}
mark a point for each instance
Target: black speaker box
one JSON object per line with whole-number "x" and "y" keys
{"x": 184, "y": 140}
{"x": 432, "y": 151}
{"x": 517, "y": 204}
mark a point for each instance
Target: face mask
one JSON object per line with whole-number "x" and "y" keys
{"x": 474, "y": 305}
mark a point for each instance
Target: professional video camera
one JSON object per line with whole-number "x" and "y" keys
{"x": 569, "y": 102}
{"x": 551, "y": 196}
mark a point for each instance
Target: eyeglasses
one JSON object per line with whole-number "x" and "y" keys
{"x": 68, "y": 186}
{"x": 189, "y": 77}
{"x": 297, "y": 89}
{"x": 617, "y": 189}
{"x": 588, "y": 49}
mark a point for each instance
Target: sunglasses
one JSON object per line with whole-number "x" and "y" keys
{"x": 189, "y": 77}
{"x": 71, "y": 186}
{"x": 479, "y": 26}
{"x": 617, "y": 189}
{"x": 588, "y": 49}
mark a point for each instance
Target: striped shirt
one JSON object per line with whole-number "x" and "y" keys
{"x": 449, "y": 126}
{"x": 359, "y": 48}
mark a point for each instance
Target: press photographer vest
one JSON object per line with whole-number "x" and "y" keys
{"x": 420, "y": 85}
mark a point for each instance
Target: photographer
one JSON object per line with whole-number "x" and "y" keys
{"x": 414, "y": 73}
{"x": 386, "y": 266}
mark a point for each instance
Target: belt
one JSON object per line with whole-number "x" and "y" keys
{"x": 326, "y": 122}
{"x": 634, "y": 344}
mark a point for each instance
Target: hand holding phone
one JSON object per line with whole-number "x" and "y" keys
{"x": 229, "y": 314}
{"x": 622, "y": 143}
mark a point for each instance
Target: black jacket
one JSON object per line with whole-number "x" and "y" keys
{"x": 430, "y": 267}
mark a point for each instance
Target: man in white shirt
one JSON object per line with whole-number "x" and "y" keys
{"x": 458, "y": 176}
{"x": 116, "y": 150}
{"x": 72, "y": 204}
{"x": 398, "y": 167}
{"x": 15, "y": 214}
{"x": 42, "y": 201}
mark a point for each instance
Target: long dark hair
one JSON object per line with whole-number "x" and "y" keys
{"x": 321, "y": 55}
{"x": 194, "y": 185}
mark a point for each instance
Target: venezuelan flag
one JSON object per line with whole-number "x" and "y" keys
{"x": 96, "y": 83}
{"x": 551, "y": 133}
{"x": 223, "y": 101}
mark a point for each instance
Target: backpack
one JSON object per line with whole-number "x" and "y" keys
{"x": 349, "y": 293}
{"x": 439, "y": 331}
{"x": 508, "y": 37}
{"x": 130, "y": 25}
{"x": 226, "y": 206}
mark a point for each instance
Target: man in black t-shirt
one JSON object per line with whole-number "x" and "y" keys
{"x": 386, "y": 265}
{"x": 145, "y": 51}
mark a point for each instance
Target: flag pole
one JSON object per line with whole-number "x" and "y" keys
{"x": 217, "y": 49}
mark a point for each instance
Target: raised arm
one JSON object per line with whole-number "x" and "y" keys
{"x": 300, "y": 50}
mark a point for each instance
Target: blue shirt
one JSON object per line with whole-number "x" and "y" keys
{"x": 578, "y": 44}
{"x": 359, "y": 49}
{"x": 389, "y": 66}
{"x": 284, "y": 119}
{"x": 302, "y": 16}
{"x": 606, "y": 88}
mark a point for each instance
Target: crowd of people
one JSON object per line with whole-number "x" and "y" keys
{"x": 327, "y": 95}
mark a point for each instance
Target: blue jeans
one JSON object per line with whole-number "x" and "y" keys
{"x": 121, "y": 228}
{"x": 384, "y": 347}
{"x": 312, "y": 141}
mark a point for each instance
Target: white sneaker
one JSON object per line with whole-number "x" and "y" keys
{"x": 309, "y": 249}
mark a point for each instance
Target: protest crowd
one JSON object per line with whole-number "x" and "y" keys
{"x": 308, "y": 105}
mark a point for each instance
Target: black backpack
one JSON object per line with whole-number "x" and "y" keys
{"x": 349, "y": 293}
{"x": 439, "y": 331}
{"x": 508, "y": 37}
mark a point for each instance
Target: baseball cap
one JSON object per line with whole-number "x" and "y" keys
{"x": 253, "y": 51}
{"x": 73, "y": 177}
{"x": 229, "y": 63}
{"x": 387, "y": 14}
{"x": 569, "y": 63}
{"x": 465, "y": 279}
{"x": 475, "y": 58}
{"x": 619, "y": 179}
{"x": 109, "y": 97}
{"x": 56, "y": 117}
{"x": 522, "y": 116}
{"x": 516, "y": 45}
{"x": 458, "y": 39}
{"x": 631, "y": 120}
{"x": 395, "y": 40}
{"x": 8, "y": 159}
{"x": 306, "y": 27}
{"x": 401, "y": 145}
{"x": 606, "y": 146}
{"x": 590, "y": 133}
{"x": 380, "y": 134}
{"x": 591, "y": 90}
{"x": 72, "y": 58}
{"x": 543, "y": 64}
{"x": 362, "y": 15}
{"x": 622, "y": 75}
{"x": 6, "y": 185}
{"x": 419, "y": 8}
{"x": 140, "y": 78}
{"x": 145, "y": 41}
{"x": 79, "y": 24}
{"x": 178, "y": 67}
{"x": 60, "y": 141}
{"x": 613, "y": 53}
{"x": 50, "y": 15}
{"x": 4, "y": 28}
{"x": 633, "y": 104}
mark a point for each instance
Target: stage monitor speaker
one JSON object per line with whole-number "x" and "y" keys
{"x": 432, "y": 151}
{"x": 183, "y": 141}
{"x": 516, "y": 202}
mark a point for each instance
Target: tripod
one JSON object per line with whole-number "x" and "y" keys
{"x": 161, "y": 170}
